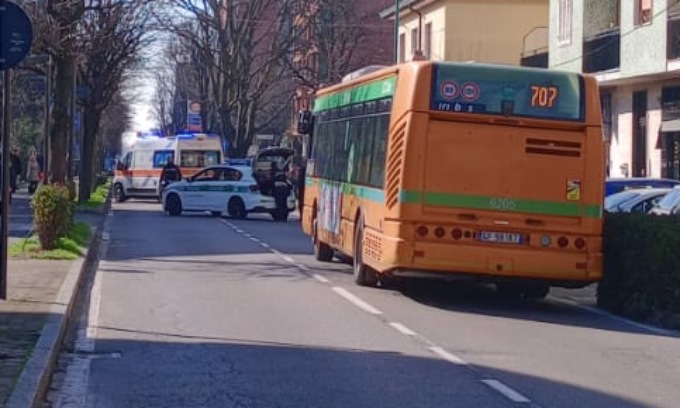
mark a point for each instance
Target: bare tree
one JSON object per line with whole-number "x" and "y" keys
{"x": 236, "y": 50}
{"x": 331, "y": 34}
{"x": 113, "y": 32}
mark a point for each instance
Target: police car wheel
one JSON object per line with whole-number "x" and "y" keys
{"x": 174, "y": 205}
{"x": 237, "y": 209}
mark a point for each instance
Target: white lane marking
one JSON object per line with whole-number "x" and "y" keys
{"x": 402, "y": 329}
{"x": 254, "y": 239}
{"x": 319, "y": 277}
{"x": 288, "y": 259}
{"x": 506, "y": 391}
{"x": 73, "y": 389}
{"x": 304, "y": 268}
{"x": 356, "y": 300}
{"x": 264, "y": 245}
{"x": 604, "y": 313}
{"x": 451, "y": 358}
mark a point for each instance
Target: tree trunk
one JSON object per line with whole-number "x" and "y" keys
{"x": 62, "y": 119}
{"x": 91, "y": 121}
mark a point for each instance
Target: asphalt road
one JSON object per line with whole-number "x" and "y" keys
{"x": 206, "y": 312}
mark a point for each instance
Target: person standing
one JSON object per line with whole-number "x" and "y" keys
{"x": 32, "y": 173}
{"x": 15, "y": 169}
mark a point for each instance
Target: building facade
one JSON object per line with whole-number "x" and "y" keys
{"x": 505, "y": 32}
{"x": 633, "y": 48}
{"x": 333, "y": 39}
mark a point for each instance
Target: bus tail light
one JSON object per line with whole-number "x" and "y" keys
{"x": 563, "y": 242}
{"x": 580, "y": 243}
{"x": 253, "y": 188}
{"x": 422, "y": 231}
{"x": 439, "y": 232}
{"x": 457, "y": 233}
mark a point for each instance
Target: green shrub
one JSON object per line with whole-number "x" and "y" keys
{"x": 53, "y": 211}
{"x": 642, "y": 268}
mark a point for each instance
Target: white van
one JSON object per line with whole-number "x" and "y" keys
{"x": 138, "y": 171}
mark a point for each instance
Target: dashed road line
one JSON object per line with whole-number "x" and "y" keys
{"x": 440, "y": 352}
{"x": 402, "y": 329}
{"x": 357, "y": 301}
{"x": 506, "y": 391}
{"x": 317, "y": 276}
{"x": 450, "y": 357}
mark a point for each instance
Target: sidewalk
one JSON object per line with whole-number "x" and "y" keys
{"x": 34, "y": 288}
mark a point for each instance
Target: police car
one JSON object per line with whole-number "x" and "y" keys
{"x": 233, "y": 190}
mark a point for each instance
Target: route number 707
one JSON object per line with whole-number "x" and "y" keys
{"x": 543, "y": 96}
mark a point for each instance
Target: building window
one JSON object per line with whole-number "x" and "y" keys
{"x": 414, "y": 41}
{"x": 643, "y": 12}
{"x": 428, "y": 40}
{"x": 565, "y": 20}
{"x": 402, "y": 47}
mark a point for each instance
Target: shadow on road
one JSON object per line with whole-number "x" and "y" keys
{"x": 191, "y": 369}
{"x": 480, "y": 299}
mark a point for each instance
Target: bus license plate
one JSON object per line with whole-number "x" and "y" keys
{"x": 500, "y": 237}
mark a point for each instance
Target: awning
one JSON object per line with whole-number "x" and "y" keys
{"x": 670, "y": 126}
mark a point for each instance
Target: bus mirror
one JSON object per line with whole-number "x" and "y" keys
{"x": 304, "y": 122}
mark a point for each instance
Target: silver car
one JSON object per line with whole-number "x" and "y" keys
{"x": 640, "y": 200}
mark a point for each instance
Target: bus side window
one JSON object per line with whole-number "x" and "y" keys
{"x": 379, "y": 150}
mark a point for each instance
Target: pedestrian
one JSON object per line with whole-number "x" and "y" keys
{"x": 15, "y": 169}
{"x": 169, "y": 174}
{"x": 32, "y": 173}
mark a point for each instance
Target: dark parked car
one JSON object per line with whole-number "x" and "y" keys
{"x": 640, "y": 200}
{"x": 616, "y": 185}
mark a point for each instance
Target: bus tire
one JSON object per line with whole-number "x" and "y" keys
{"x": 173, "y": 205}
{"x": 363, "y": 274}
{"x": 119, "y": 193}
{"x": 322, "y": 252}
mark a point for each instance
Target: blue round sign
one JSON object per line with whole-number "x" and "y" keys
{"x": 16, "y": 35}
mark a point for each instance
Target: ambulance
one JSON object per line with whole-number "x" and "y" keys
{"x": 138, "y": 171}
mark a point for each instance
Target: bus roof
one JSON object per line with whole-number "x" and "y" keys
{"x": 380, "y": 83}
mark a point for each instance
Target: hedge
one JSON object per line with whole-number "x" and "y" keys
{"x": 642, "y": 268}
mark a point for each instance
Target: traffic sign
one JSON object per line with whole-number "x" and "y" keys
{"x": 16, "y": 35}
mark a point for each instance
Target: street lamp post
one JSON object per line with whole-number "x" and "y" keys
{"x": 396, "y": 31}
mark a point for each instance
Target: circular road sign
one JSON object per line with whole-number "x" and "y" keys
{"x": 449, "y": 90}
{"x": 470, "y": 91}
{"x": 16, "y": 35}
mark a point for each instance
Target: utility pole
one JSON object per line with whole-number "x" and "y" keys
{"x": 397, "y": 7}
{"x": 46, "y": 130}
{"x": 6, "y": 134}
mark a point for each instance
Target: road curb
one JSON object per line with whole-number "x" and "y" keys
{"x": 35, "y": 377}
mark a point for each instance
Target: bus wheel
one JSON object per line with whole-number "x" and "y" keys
{"x": 173, "y": 205}
{"x": 363, "y": 274}
{"x": 119, "y": 193}
{"x": 322, "y": 252}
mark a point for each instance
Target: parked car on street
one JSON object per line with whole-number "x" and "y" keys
{"x": 669, "y": 204}
{"x": 616, "y": 185}
{"x": 640, "y": 200}
{"x": 237, "y": 190}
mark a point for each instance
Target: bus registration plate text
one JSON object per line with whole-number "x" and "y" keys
{"x": 500, "y": 237}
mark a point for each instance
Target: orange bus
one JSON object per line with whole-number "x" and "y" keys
{"x": 459, "y": 170}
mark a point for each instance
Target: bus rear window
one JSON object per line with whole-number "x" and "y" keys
{"x": 198, "y": 158}
{"x": 508, "y": 91}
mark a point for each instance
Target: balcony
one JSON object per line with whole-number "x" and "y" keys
{"x": 602, "y": 52}
{"x": 673, "y": 37}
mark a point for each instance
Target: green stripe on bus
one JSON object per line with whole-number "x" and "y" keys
{"x": 368, "y": 193}
{"x": 506, "y": 205}
{"x": 364, "y": 93}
